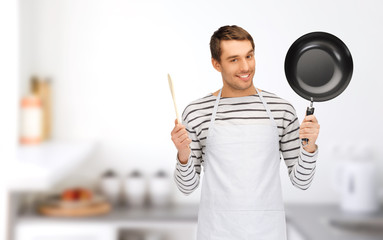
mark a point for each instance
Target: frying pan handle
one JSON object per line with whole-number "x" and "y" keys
{"x": 309, "y": 111}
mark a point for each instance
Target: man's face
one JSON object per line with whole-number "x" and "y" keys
{"x": 237, "y": 64}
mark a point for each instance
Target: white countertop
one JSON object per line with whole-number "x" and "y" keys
{"x": 38, "y": 167}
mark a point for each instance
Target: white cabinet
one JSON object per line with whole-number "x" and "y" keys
{"x": 104, "y": 231}
{"x": 64, "y": 231}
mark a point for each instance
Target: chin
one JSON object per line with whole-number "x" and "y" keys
{"x": 243, "y": 88}
{"x": 248, "y": 85}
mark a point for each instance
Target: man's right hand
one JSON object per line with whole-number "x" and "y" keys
{"x": 181, "y": 140}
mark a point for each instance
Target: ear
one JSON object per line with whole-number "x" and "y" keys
{"x": 216, "y": 64}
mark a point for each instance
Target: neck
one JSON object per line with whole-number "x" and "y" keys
{"x": 226, "y": 92}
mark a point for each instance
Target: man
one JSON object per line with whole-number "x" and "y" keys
{"x": 237, "y": 134}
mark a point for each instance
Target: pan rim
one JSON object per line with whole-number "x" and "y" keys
{"x": 335, "y": 48}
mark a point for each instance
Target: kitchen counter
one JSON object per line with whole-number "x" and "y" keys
{"x": 329, "y": 222}
{"x": 307, "y": 221}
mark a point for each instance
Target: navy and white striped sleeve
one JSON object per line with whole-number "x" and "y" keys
{"x": 187, "y": 176}
{"x": 300, "y": 163}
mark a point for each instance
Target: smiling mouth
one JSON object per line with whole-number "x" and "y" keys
{"x": 244, "y": 76}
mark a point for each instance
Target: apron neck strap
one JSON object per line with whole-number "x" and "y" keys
{"x": 273, "y": 123}
{"x": 215, "y": 109}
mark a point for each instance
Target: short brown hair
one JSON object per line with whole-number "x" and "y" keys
{"x": 227, "y": 32}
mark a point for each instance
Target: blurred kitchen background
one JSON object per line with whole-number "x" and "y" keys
{"x": 88, "y": 114}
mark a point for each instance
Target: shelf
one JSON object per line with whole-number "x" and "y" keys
{"x": 39, "y": 167}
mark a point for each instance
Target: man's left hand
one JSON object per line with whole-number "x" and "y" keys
{"x": 309, "y": 129}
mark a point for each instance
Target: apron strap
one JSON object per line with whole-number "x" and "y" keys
{"x": 273, "y": 123}
{"x": 215, "y": 109}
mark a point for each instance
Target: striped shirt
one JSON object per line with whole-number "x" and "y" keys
{"x": 244, "y": 110}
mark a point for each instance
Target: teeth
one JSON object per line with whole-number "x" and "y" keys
{"x": 244, "y": 76}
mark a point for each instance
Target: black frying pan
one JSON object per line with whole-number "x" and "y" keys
{"x": 318, "y": 67}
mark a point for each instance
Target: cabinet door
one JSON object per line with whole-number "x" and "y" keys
{"x": 65, "y": 232}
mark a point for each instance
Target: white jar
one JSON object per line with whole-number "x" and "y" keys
{"x": 135, "y": 189}
{"x": 31, "y": 120}
{"x": 160, "y": 189}
{"x": 111, "y": 187}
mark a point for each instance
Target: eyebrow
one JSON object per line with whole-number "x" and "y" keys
{"x": 234, "y": 56}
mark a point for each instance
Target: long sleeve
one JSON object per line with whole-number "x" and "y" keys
{"x": 187, "y": 176}
{"x": 300, "y": 163}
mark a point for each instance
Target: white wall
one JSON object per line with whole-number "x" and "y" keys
{"x": 109, "y": 61}
{"x": 9, "y": 20}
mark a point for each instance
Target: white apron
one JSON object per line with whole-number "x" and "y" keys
{"x": 241, "y": 196}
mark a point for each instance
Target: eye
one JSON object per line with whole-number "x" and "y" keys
{"x": 249, "y": 56}
{"x": 233, "y": 60}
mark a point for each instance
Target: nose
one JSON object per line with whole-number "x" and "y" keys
{"x": 244, "y": 66}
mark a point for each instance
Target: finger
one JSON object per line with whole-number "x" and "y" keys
{"x": 309, "y": 125}
{"x": 177, "y": 140}
{"x": 309, "y": 130}
{"x": 182, "y": 138}
{"x": 185, "y": 144}
{"x": 182, "y": 143}
{"x": 310, "y": 118}
{"x": 177, "y": 128}
{"x": 180, "y": 133}
{"x": 186, "y": 141}
{"x": 311, "y": 137}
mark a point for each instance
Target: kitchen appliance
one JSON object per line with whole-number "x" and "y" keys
{"x": 318, "y": 67}
{"x": 358, "y": 185}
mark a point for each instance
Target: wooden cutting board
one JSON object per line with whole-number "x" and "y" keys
{"x": 81, "y": 211}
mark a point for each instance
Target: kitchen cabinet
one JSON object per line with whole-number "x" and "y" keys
{"x": 68, "y": 231}
{"x": 88, "y": 231}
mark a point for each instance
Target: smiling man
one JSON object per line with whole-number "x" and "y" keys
{"x": 237, "y": 135}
